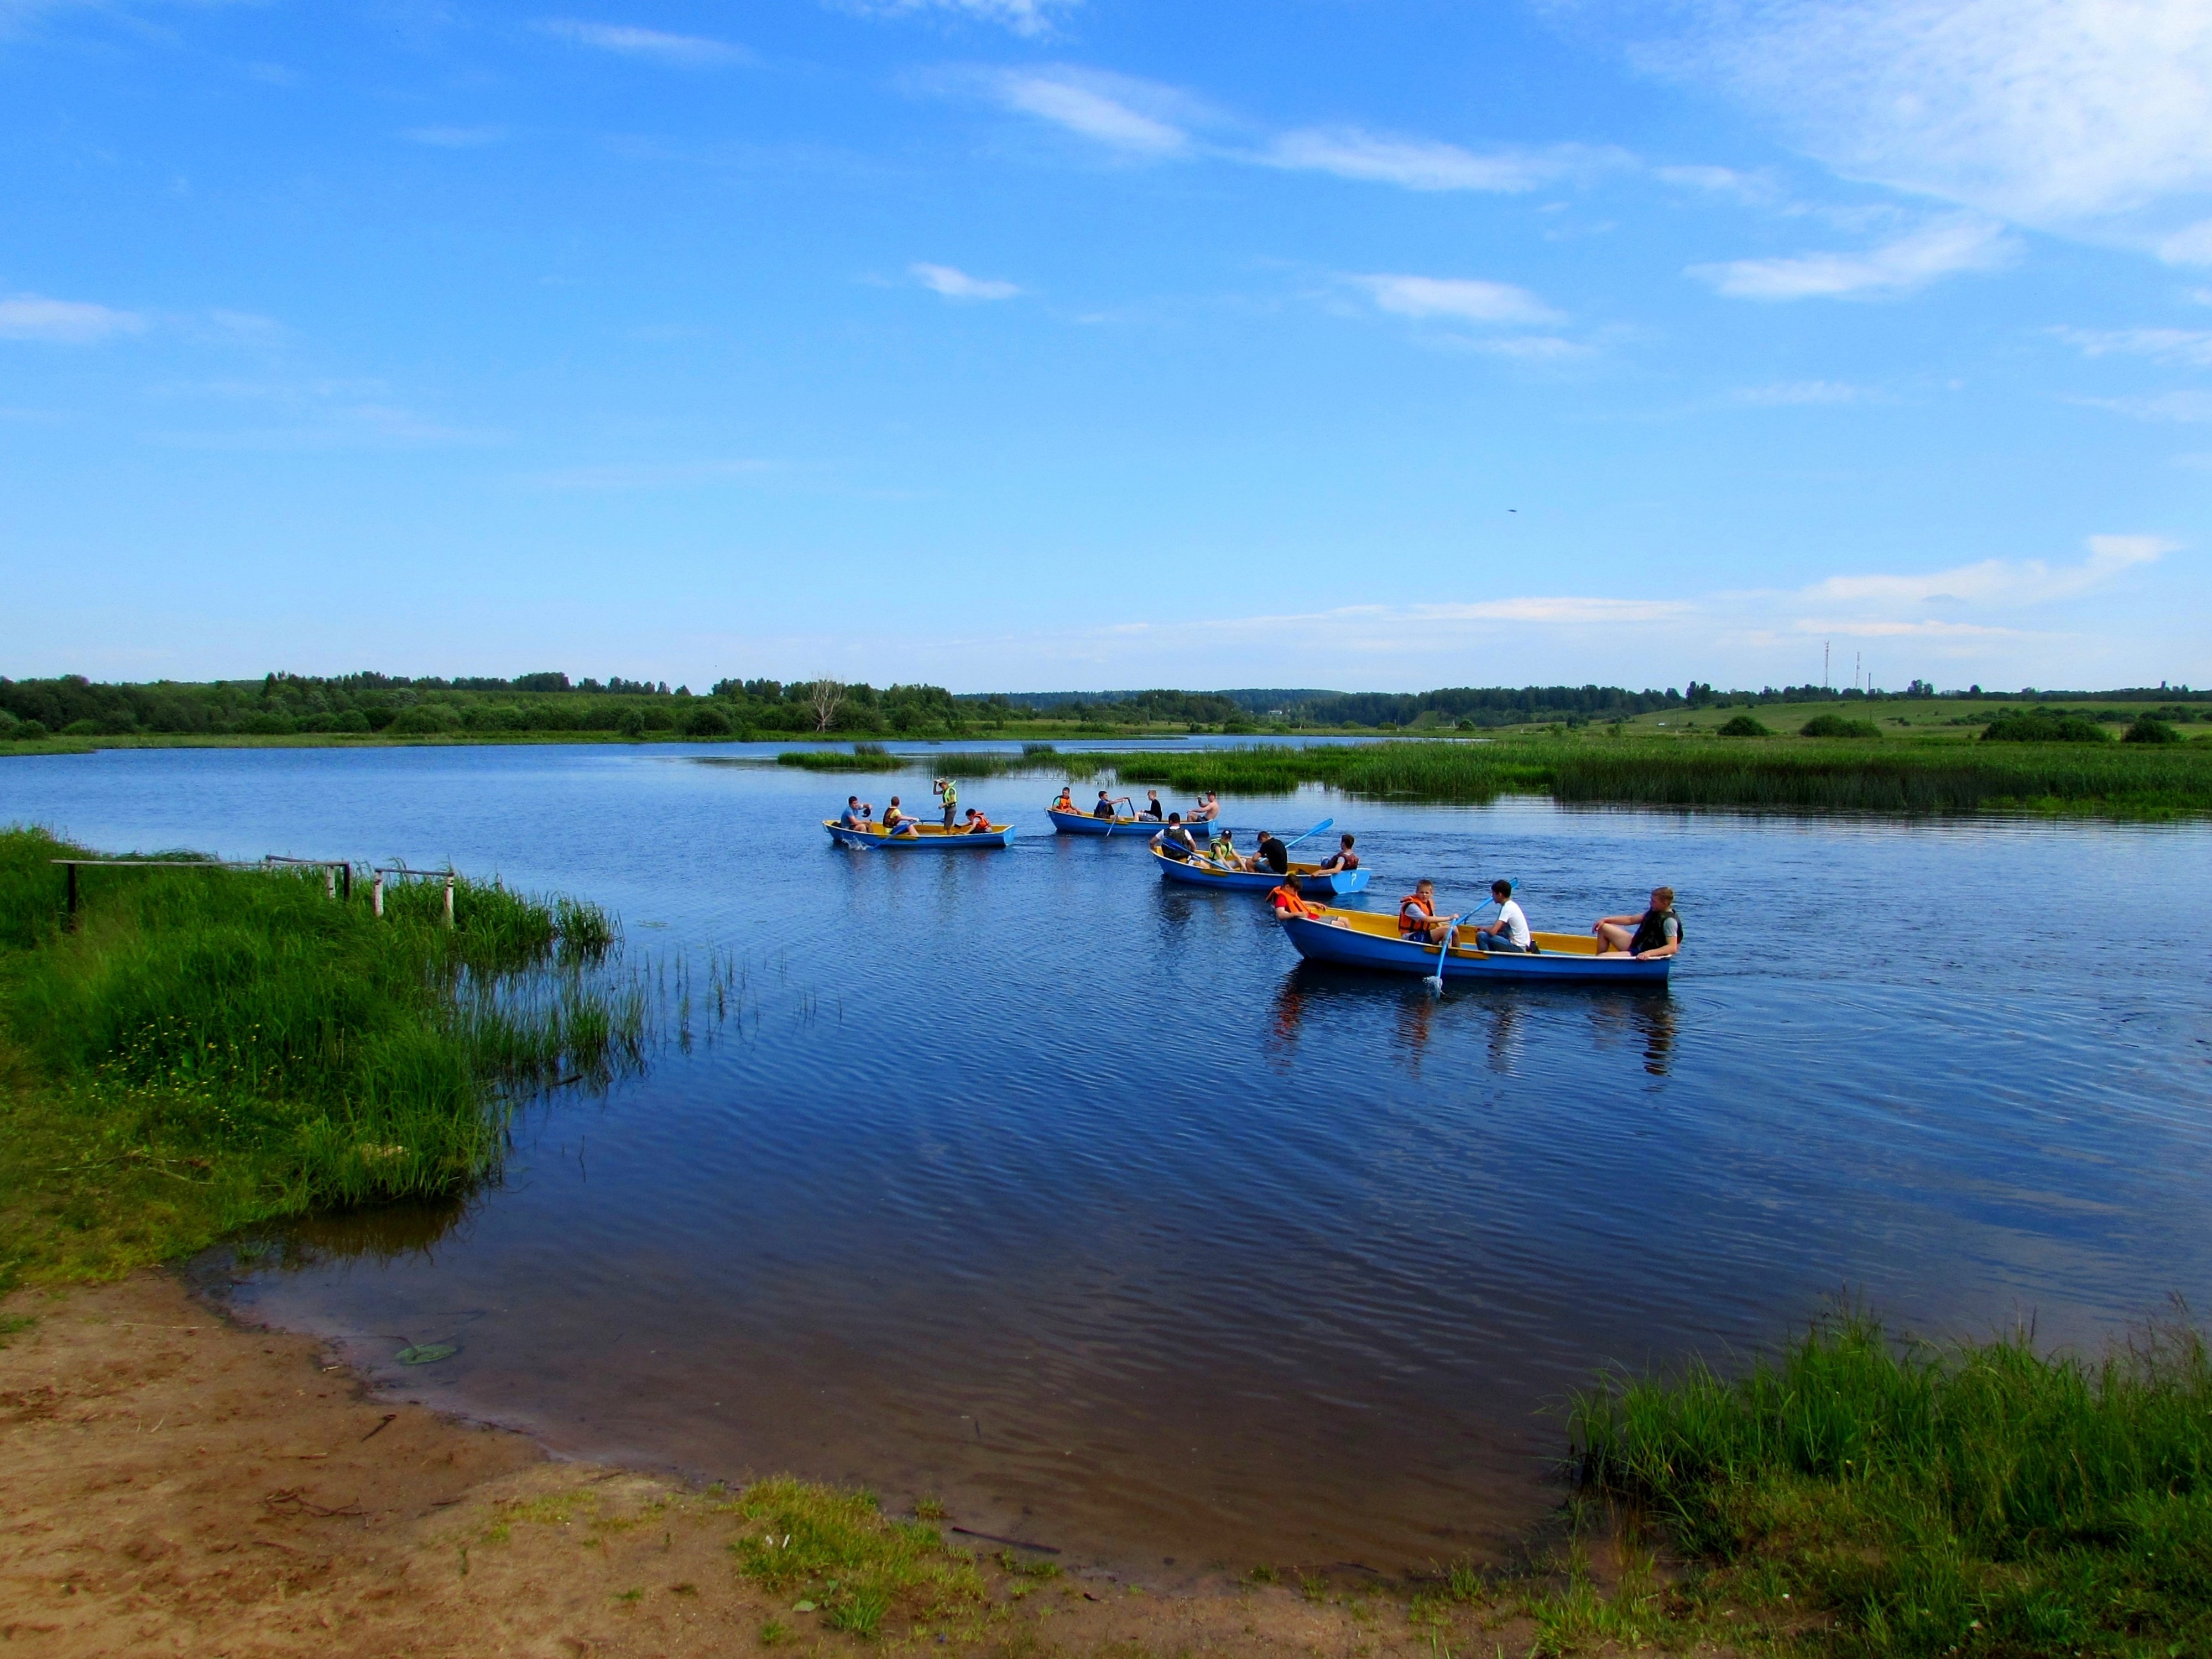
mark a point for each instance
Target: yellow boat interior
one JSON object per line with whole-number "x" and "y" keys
{"x": 924, "y": 829}
{"x": 1384, "y": 924}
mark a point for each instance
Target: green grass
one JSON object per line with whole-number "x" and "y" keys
{"x": 211, "y": 1049}
{"x": 839, "y": 1552}
{"x": 1855, "y": 1496}
{"x": 1907, "y": 775}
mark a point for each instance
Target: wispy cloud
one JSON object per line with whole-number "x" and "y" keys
{"x": 1461, "y": 299}
{"x": 956, "y": 284}
{"x": 2170, "y": 346}
{"x": 1025, "y": 17}
{"x": 1947, "y": 247}
{"x": 2062, "y": 113}
{"x": 686, "y": 51}
{"x": 2158, "y": 405}
{"x": 1424, "y": 165}
{"x": 1141, "y": 118}
{"x": 64, "y": 322}
{"x": 1996, "y": 582}
{"x": 455, "y": 138}
{"x": 2192, "y": 245}
{"x": 1789, "y": 393}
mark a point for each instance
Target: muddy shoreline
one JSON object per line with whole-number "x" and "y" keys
{"x": 179, "y": 1481}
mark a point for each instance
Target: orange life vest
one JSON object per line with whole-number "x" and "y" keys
{"x": 1414, "y": 902}
{"x": 1289, "y": 903}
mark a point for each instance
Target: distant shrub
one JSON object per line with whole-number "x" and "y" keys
{"x": 1039, "y": 750}
{"x": 706, "y": 723}
{"x": 425, "y": 719}
{"x": 267, "y": 724}
{"x": 1744, "y": 727}
{"x": 82, "y": 729}
{"x": 1835, "y": 726}
{"x": 631, "y": 725}
{"x": 353, "y": 721}
{"x": 380, "y": 717}
{"x": 2040, "y": 726}
{"x": 31, "y": 732}
{"x": 2150, "y": 729}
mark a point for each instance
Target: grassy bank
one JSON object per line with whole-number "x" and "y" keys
{"x": 209, "y": 1048}
{"x": 1856, "y": 1495}
{"x": 1891, "y": 775}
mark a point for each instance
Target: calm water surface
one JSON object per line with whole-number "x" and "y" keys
{"x": 1022, "y": 1180}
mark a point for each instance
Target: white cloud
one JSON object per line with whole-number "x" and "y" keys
{"x": 652, "y": 475}
{"x": 1136, "y": 116}
{"x": 1997, "y": 582}
{"x": 1787, "y": 393}
{"x": 2159, "y": 406}
{"x": 1421, "y": 164}
{"x": 2054, "y": 113}
{"x": 956, "y": 284}
{"x": 68, "y": 322}
{"x": 2172, "y": 345}
{"x": 1945, "y": 248}
{"x": 1022, "y": 16}
{"x": 2189, "y": 247}
{"x": 455, "y": 138}
{"x": 1461, "y": 299}
{"x": 689, "y": 51}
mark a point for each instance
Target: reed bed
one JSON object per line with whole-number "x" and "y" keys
{"x": 210, "y": 1048}
{"x": 2147, "y": 781}
{"x": 1861, "y": 1496}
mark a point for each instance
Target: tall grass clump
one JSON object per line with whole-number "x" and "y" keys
{"x": 1979, "y": 1500}
{"x": 209, "y": 1048}
{"x": 864, "y": 757}
{"x": 838, "y": 1551}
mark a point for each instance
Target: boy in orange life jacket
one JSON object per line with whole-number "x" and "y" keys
{"x": 1417, "y": 913}
{"x": 1289, "y": 900}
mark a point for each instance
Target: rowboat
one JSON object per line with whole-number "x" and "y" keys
{"x": 933, "y": 838}
{"x": 1082, "y": 823}
{"x": 1311, "y": 877}
{"x": 1363, "y": 938}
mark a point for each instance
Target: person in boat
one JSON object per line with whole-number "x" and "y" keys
{"x": 1222, "y": 850}
{"x": 1105, "y": 807}
{"x": 1290, "y": 900}
{"x": 1343, "y": 859}
{"x": 897, "y": 822}
{"x": 1066, "y": 801}
{"x": 1151, "y": 805}
{"x": 1177, "y": 840}
{"x": 1656, "y": 934}
{"x": 977, "y": 824}
{"x": 1272, "y": 854}
{"x": 1207, "y": 810}
{"x": 1510, "y": 932}
{"x": 1416, "y": 914}
{"x": 850, "y": 818}
{"x": 949, "y": 792}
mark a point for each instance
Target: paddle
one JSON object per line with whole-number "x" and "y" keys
{"x": 1435, "y": 982}
{"x": 1111, "y": 805}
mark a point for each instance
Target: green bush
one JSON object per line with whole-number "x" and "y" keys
{"x": 353, "y": 721}
{"x": 1743, "y": 725}
{"x": 82, "y": 729}
{"x": 425, "y": 719}
{"x": 2042, "y": 725}
{"x": 2150, "y": 729}
{"x": 30, "y": 731}
{"x": 707, "y": 722}
{"x": 1836, "y": 725}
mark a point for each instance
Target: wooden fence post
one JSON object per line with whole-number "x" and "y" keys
{"x": 376, "y": 894}
{"x": 449, "y": 898}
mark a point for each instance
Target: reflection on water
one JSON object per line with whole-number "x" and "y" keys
{"x": 1074, "y": 1199}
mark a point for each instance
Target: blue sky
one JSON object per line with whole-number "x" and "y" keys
{"x": 1104, "y": 342}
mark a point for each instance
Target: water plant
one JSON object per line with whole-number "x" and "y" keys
{"x": 1895, "y": 1498}
{"x": 207, "y": 1048}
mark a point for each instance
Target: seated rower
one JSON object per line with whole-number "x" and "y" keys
{"x": 1272, "y": 854}
{"x": 1151, "y": 805}
{"x": 1105, "y": 807}
{"x": 1343, "y": 859}
{"x": 1222, "y": 850}
{"x": 1658, "y": 931}
{"x": 897, "y": 822}
{"x": 1510, "y": 933}
{"x": 1177, "y": 840}
{"x": 1417, "y": 916}
{"x": 850, "y": 818}
{"x": 1290, "y": 900}
{"x": 977, "y": 824}
{"x": 1066, "y": 801}
{"x": 1207, "y": 810}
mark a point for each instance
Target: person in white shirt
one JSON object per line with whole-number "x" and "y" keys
{"x": 1511, "y": 931}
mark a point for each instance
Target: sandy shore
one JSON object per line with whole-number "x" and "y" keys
{"x": 172, "y": 1482}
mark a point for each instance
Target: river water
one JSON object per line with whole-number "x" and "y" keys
{"x": 1024, "y": 1181}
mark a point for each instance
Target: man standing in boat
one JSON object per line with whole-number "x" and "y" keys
{"x": 949, "y": 792}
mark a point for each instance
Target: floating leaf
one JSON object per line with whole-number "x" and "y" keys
{"x": 802, "y": 1606}
{"x": 426, "y": 1353}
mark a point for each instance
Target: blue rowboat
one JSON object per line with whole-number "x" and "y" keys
{"x": 933, "y": 838}
{"x": 1311, "y": 877}
{"x": 1082, "y": 823}
{"x": 1363, "y": 938}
